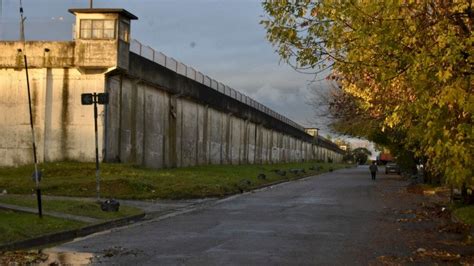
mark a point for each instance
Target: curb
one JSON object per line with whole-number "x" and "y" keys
{"x": 71, "y": 234}
{"x": 277, "y": 182}
{"x": 287, "y": 180}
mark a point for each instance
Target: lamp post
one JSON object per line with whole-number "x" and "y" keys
{"x": 89, "y": 99}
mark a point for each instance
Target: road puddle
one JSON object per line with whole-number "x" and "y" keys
{"x": 67, "y": 258}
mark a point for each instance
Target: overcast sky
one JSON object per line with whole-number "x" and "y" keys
{"x": 221, "y": 38}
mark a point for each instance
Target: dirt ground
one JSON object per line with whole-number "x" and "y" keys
{"x": 419, "y": 228}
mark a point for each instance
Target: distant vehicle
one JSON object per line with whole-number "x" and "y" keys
{"x": 392, "y": 168}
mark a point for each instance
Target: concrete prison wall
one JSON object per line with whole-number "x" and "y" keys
{"x": 160, "y": 118}
{"x": 159, "y": 114}
{"x": 64, "y": 129}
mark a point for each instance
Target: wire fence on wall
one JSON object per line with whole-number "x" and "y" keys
{"x": 182, "y": 69}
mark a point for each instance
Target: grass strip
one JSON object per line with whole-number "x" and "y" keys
{"x": 125, "y": 181}
{"x": 75, "y": 207}
{"x": 16, "y": 226}
{"x": 465, "y": 214}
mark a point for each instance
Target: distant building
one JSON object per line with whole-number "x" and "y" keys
{"x": 385, "y": 156}
{"x": 312, "y": 131}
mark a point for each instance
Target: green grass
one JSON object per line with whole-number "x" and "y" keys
{"x": 465, "y": 214}
{"x": 132, "y": 182}
{"x": 15, "y": 226}
{"x": 75, "y": 207}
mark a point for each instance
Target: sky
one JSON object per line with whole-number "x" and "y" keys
{"x": 221, "y": 38}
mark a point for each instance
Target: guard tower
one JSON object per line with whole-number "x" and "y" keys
{"x": 102, "y": 38}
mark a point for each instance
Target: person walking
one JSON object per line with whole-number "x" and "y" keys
{"x": 373, "y": 170}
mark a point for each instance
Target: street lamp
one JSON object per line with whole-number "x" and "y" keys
{"x": 89, "y": 99}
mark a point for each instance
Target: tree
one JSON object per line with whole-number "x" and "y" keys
{"x": 361, "y": 155}
{"x": 404, "y": 66}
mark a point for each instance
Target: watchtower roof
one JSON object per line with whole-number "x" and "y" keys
{"x": 120, "y": 11}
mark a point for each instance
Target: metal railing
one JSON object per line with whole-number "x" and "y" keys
{"x": 182, "y": 69}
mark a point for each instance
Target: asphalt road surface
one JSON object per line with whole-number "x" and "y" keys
{"x": 325, "y": 219}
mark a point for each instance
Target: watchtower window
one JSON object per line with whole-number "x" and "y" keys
{"x": 124, "y": 31}
{"x": 97, "y": 29}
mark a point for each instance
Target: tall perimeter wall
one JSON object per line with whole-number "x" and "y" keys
{"x": 64, "y": 129}
{"x": 161, "y": 118}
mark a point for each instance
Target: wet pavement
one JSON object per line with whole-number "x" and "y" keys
{"x": 326, "y": 219}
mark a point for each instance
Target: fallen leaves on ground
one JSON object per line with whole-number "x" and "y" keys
{"x": 22, "y": 257}
{"x": 425, "y": 213}
{"x": 437, "y": 254}
{"x": 425, "y": 230}
{"x": 422, "y": 255}
{"x": 120, "y": 251}
{"x": 454, "y": 227}
{"x": 415, "y": 188}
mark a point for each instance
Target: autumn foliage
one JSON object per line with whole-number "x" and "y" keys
{"x": 405, "y": 71}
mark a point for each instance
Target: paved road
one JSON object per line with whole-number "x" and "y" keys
{"x": 325, "y": 219}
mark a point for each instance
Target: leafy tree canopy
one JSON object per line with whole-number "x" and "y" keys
{"x": 404, "y": 68}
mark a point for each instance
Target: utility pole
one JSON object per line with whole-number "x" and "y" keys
{"x": 22, "y": 24}
{"x": 36, "y": 174}
{"x": 91, "y": 3}
{"x": 1, "y": 18}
